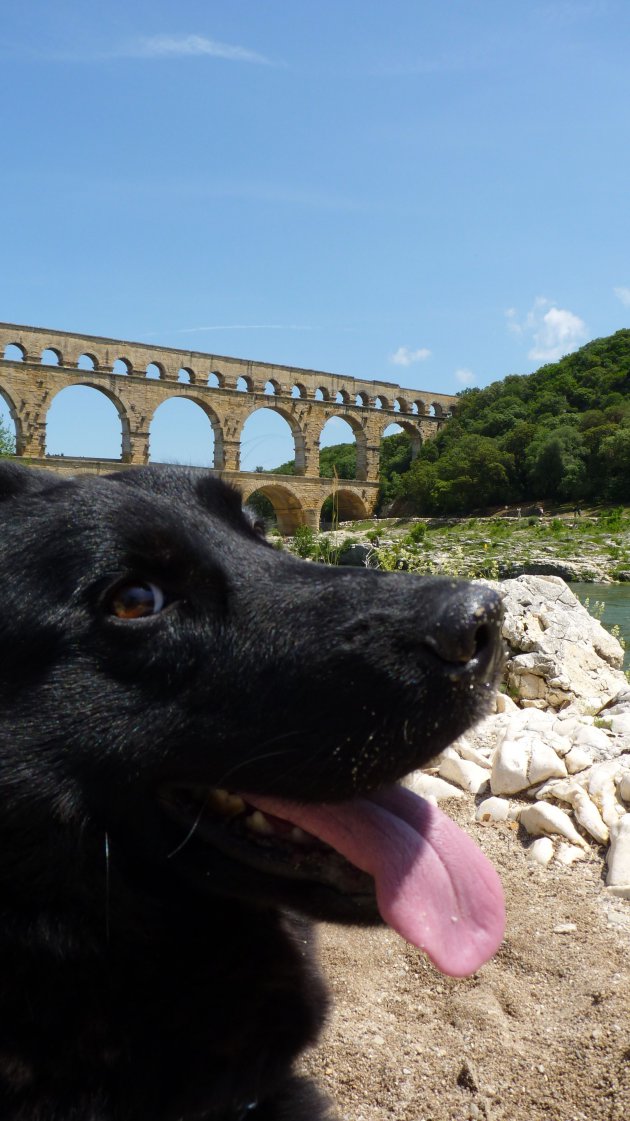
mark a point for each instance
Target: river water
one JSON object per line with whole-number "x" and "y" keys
{"x": 616, "y": 600}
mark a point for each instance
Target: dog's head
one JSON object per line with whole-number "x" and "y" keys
{"x": 223, "y": 712}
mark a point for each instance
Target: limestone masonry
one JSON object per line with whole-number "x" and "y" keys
{"x": 138, "y": 377}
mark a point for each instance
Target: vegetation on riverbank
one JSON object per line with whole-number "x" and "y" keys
{"x": 593, "y": 547}
{"x": 561, "y": 434}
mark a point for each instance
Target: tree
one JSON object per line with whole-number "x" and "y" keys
{"x": 7, "y": 440}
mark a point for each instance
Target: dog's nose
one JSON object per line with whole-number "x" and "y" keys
{"x": 467, "y": 629}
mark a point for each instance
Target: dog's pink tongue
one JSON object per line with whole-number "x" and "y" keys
{"x": 433, "y": 885}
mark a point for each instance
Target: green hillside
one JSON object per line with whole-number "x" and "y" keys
{"x": 560, "y": 434}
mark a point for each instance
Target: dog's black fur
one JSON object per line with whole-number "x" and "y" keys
{"x": 153, "y": 968}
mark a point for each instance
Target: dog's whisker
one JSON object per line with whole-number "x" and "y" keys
{"x": 189, "y": 835}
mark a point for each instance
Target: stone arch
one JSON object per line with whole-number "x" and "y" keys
{"x": 409, "y": 429}
{"x": 244, "y": 384}
{"x": 82, "y": 432}
{"x": 181, "y": 416}
{"x": 296, "y": 434}
{"x": 215, "y": 380}
{"x": 346, "y": 505}
{"x": 363, "y": 400}
{"x": 14, "y": 352}
{"x": 342, "y": 397}
{"x": 287, "y": 506}
{"x": 359, "y": 435}
{"x": 322, "y": 393}
{"x": 51, "y": 356}
{"x": 421, "y": 406}
{"x": 122, "y": 366}
{"x": 155, "y": 370}
{"x": 299, "y": 390}
{"x": 272, "y": 388}
{"x": 381, "y": 402}
{"x": 401, "y": 405}
{"x": 186, "y": 375}
{"x": 435, "y": 409}
{"x": 15, "y": 420}
{"x": 83, "y": 359}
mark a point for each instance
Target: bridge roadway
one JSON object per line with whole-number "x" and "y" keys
{"x": 137, "y": 378}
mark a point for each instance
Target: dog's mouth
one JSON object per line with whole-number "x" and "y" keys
{"x": 267, "y": 842}
{"x": 429, "y": 880}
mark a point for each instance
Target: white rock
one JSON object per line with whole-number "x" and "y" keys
{"x": 470, "y": 776}
{"x": 588, "y": 816}
{"x": 624, "y": 786}
{"x": 540, "y": 851}
{"x": 493, "y": 809}
{"x": 543, "y": 819}
{"x": 618, "y": 876}
{"x": 430, "y": 786}
{"x": 593, "y": 740}
{"x": 557, "y": 652}
{"x": 567, "y": 854}
{"x": 522, "y": 761}
{"x": 466, "y": 751}
{"x": 504, "y": 703}
{"x": 601, "y": 785}
{"x": 577, "y": 759}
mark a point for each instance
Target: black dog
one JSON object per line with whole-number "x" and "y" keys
{"x": 192, "y": 723}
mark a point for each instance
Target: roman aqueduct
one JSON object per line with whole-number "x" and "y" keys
{"x": 137, "y": 378}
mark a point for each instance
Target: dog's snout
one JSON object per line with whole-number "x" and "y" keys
{"x": 467, "y": 630}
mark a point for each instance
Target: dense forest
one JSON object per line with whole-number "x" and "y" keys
{"x": 561, "y": 434}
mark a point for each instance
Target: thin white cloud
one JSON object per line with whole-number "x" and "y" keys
{"x": 464, "y": 376}
{"x": 177, "y": 46}
{"x": 405, "y": 356}
{"x": 553, "y": 331}
{"x": 247, "y": 327}
{"x": 623, "y": 294}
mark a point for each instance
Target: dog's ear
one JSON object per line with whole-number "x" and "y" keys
{"x": 16, "y": 480}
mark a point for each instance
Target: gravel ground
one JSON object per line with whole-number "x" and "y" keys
{"x": 541, "y": 1033}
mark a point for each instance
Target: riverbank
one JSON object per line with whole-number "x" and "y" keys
{"x": 589, "y": 549}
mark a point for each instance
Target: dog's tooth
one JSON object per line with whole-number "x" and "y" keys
{"x": 225, "y": 803}
{"x": 258, "y": 822}
{"x": 299, "y": 836}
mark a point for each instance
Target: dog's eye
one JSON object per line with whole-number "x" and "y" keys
{"x": 136, "y": 600}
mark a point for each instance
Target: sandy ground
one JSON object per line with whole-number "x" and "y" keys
{"x": 541, "y": 1032}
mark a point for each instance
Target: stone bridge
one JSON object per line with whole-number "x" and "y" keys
{"x": 138, "y": 377}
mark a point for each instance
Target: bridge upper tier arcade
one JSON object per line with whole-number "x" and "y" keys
{"x": 37, "y": 363}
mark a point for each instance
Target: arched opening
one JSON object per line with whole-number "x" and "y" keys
{"x": 338, "y": 449}
{"x": 431, "y": 411}
{"x": 273, "y": 501}
{"x": 362, "y": 399}
{"x": 342, "y": 397}
{"x": 13, "y": 352}
{"x": 87, "y": 362}
{"x": 9, "y": 430}
{"x": 154, "y": 370}
{"x": 215, "y": 380}
{"x": 421, "y": 407}
{"x": 51, "y": 357}
{"x": 341, "y": 505}
{"x": 185, "y": 376}
{"x": 271, "y": 441}
{"x": 244, "y": 385}
{"x": 322, "y": 394}
{"x": 400, "y": 444}
{"x": 83, "y": 421}
{"x": 271, "y": 388}
{"x": 181, "y": 431}
{"x": 122, "y": 366}
{"x": 298, "y": 390}
{"x": 381, "y": 402}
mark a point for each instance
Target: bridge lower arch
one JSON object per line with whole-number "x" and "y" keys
{"x": 343, "y": 505}
{"x": 287, "y": 507}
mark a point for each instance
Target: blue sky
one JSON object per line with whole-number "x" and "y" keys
{"x": 434, "y": 193}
